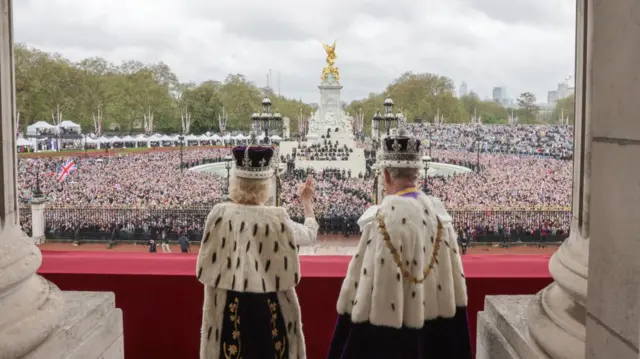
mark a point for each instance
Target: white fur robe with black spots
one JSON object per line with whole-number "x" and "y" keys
{"x": 251, "y": 249}
{"x": 375, "y": 294}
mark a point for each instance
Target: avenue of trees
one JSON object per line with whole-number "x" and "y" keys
{"x": 125, "y": 93}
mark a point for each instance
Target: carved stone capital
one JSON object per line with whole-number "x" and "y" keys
{"x": 557, "y": 315}
{"x": 30, "y": 306}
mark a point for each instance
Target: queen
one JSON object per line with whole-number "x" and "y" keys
{"x": 248, "y": 263}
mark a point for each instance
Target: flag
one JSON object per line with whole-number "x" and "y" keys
{"x": 66, "y": 169}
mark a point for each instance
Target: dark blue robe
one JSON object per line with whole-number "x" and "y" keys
{"x": 442, "y": 338}
{"x": 253, "y": 327}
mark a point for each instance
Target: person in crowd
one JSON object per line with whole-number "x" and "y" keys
{"x": 152, "y": 246}
{"x": 405, "y": 294}
{"x": 185, "y": 245}
{"x": 166, "y": 247}
{"x": 249, "y": 265}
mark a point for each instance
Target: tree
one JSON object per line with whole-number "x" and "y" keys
{"x": 127, "y": 92}
{"x": 528, "y": 107}
{"x": 492, "y": 112}
{"x": 416, "y": 96}
{"x": 470, "y": 102}
{"x": 564, "y": 107}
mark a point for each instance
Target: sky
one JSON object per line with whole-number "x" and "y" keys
{"x": 521, "y": 45}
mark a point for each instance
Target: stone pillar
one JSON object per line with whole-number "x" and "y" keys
{"x": 613, "y": 90}
{"x": 31, "y": 307}
{"x": 37, "y": 220}
{"x": 557, "y": 315}
{"x": 567, "y": 320}
{"x": 35, "y": 323}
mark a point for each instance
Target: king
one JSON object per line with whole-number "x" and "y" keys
{"x": 404, "y": 296}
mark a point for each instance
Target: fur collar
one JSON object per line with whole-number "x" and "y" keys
{"x": 248, "y": 249}
{"x": 375, "y": 290}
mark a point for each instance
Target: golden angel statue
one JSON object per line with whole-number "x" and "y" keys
{"x": 331, "y": 60}
{"x": 331, "y": 53}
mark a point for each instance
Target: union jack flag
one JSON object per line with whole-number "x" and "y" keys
{"x": 66, "y": 169}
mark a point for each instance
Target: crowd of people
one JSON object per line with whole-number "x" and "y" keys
{"x": 133, "y": 195}
{"x": 326, "y": 151}
{"x": 529, "y": 140}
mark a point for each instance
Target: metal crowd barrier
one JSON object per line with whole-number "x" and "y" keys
{"x": 135, "y": 224}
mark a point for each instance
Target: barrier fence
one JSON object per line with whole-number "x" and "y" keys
{"x": 25, "y": 219}
{"x": 138, "y": 224}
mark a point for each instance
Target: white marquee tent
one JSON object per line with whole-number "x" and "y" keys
{"x": 70, "y": 125}
{"x": 34, "y": 129}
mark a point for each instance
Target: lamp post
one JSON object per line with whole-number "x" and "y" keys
{"x": 222, "y": 125}
{"x": 390, "y": 120}
{"x": 375, "y": 129}
{"x": 227, "y": 166}
{"x": 478, "y": 139}
{"x": 37, "y": 193}
{"x": 181, "y": 139}
{"x": 85, "y": 145}
{"x": 267, "y": 122}
{"x": 431, "y": 130}
{"x": 426, "y": 160}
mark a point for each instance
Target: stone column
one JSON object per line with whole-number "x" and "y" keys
{"x": 613, "y": 90}
{"x": 557, "y": 315}
{"x": 38, "y": 205}
{"x": 37, "y": 320}
{"x": 567, "y": 320}
{"x": 31, "y": 307}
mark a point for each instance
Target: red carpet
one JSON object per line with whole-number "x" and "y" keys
{"x": 162, "y": 300}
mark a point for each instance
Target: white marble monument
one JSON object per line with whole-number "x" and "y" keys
{"x": 37, "y": 320}
{"x": 330, "y": 119}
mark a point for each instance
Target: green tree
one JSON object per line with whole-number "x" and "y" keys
{"x": 528, "y": 108}
{"x": 416, "y": 96}
{"x": 492, "y": 112}
{"x": 564, "y": 107}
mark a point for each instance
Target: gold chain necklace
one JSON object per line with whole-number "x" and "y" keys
{"x": 396, "y": 254}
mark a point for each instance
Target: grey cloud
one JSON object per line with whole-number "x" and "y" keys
{"x": 256, "y": 36}
{"x": 539, "y": 13}
{"x": 85, "y": 36}
{"x": 265, "y": 28}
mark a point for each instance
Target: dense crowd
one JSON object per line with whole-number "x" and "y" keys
{"x": 142, "y": 195}
{"x": 535, "y": 140}
{"x": 326, "y": 151}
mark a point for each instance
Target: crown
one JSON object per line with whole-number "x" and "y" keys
{"x": 253, "y": 161}
{"x": 401, "y": 150}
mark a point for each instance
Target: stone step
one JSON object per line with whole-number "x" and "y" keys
{"x": 503, "y": 331}
{"x": 91, "y": 328}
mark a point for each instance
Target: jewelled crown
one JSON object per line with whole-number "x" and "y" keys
{"x": 401, "y": 150}
{"x": 253, "y": 161}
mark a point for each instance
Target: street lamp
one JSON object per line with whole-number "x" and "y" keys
{"x": 85, "y": 145}
{"x": 478, "y": 139}
{"x": 222, "y": 125}
{"x": 390, "y": 120}
{"x": 37, "y": 193}
{"x": 181, "y": 139}
{"x": 426, "y": 160}
{"x": 227, "y": 166}
{"x": 222, "y": 122}
{"x": 375, "y": 129}
{"x": 267, "y": 122}
{"x": 430, "y": 131}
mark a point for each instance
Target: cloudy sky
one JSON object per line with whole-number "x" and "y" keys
{"x": 522, "y": 45}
